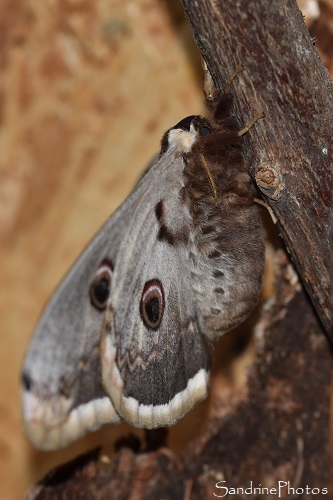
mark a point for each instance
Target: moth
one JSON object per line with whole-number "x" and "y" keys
{"x": 128, "y": 334}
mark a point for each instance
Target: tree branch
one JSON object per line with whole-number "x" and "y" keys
{"x": 290, "y": 151}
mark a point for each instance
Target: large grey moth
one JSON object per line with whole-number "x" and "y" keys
{"x": 128, "y": 333}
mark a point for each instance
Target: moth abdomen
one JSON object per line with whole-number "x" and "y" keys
{"x": 227, "y": 231}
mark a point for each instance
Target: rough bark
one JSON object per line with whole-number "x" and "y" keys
{"x": 290, "y": 151}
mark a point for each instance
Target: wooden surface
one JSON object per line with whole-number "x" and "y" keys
{"x": 87, "y": 89}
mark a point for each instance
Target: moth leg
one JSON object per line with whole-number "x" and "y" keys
{"x": 250, "y": 125}
{"x": 210, "y": 90}
{"x": 238, "y": 70}
{"x": 188, "y": 489}
{"x": 211, "y": 94}
{"x": 209, "y": 175}
{"x": 270, "y": 210}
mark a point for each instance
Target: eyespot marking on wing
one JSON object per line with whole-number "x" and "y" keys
{"x": 101, "y": 285}
{"x": 152, "y": 304}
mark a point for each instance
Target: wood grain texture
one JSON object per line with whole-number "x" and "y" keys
{"x": 290, "y": 151}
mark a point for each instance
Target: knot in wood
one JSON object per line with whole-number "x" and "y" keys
{"x": 269, "y": 181}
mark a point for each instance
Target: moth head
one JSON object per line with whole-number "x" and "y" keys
{"x": 185, "y": 133}
{"x": 101, "y": 285}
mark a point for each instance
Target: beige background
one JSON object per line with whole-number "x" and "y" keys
{"x": 87, "y": 88}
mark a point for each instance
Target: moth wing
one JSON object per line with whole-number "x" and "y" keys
{"x": 63, "y": 397}
{"x": 155, "y": 375}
